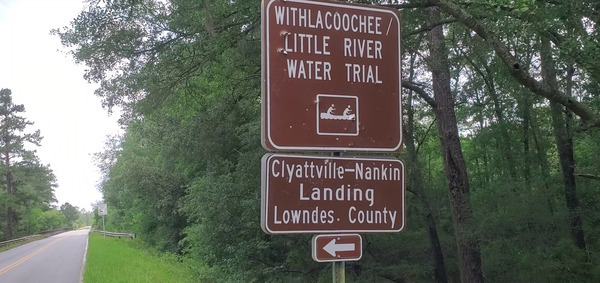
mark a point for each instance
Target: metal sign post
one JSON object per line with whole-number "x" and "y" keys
{"x": 338, "y": 271}
{"x": 103, "y": 228}
{"x": 103, "y": 210}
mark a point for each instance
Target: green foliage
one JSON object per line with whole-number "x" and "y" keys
{"x": 149, "y": 191}
{"x": 52, "y": 219}
{"x": 71, "y": 214}
{"x": 85, "y": 218}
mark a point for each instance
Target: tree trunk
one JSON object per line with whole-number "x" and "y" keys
{"x": 543, "y": 162}
{"x": 415, "y": 179}
{"x": 415, "y": 176}
{"x": 505, "y": 144}
{"x": 10, "y": 213}
{"x": 564, "y": 144}
{"x": 526, "y": 108}
{"x": 485, "y": 171}
{"x": 454, "y": 165}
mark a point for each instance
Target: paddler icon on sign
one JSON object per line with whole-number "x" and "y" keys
{"x": 334, "y": 122}
{"x": 330, "y": 115}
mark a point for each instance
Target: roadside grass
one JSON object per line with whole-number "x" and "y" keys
{"x": 124, "y": 260}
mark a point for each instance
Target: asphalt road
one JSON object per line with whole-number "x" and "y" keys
{"x": 59, "y": 258}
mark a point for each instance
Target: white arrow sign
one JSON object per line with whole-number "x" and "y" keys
{"x": 338, "y": 247}
{"x": 332, "y": 248}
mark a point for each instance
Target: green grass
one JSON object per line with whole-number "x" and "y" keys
{"x": 124, "y": 260}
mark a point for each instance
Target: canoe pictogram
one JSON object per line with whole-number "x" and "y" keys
{"x": 346, "y": 115}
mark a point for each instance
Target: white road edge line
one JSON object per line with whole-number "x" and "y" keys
{"x": 87, "y": 241}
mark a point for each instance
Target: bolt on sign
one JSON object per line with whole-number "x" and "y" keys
{"x": 331, "y": 77}
{"x": 337, "y": 247}
{"x": 308, "y": 194}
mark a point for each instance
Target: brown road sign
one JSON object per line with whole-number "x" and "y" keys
{"x": 331, "y": 77}
{"x": 319, "y": 194}
{"x": 337, "y": 247}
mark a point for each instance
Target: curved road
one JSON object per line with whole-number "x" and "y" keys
{"x": 59, "y": 258}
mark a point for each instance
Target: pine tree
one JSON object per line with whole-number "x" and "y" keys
{"x": 12, "y": 150}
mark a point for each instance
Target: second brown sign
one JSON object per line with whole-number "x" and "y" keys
{"x": 307, "y": 194}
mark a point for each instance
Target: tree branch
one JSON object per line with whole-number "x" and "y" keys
{"x": 422, "y": 140}
{"x": 589, "y": 176}
{"x": 411, "y": 5}
{"x": 589, "y": 117}
{"x": 421, "y": 92}
{"x": 427, "y": 28}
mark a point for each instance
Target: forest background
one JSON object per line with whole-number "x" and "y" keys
{"x": 501, "y": 140}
